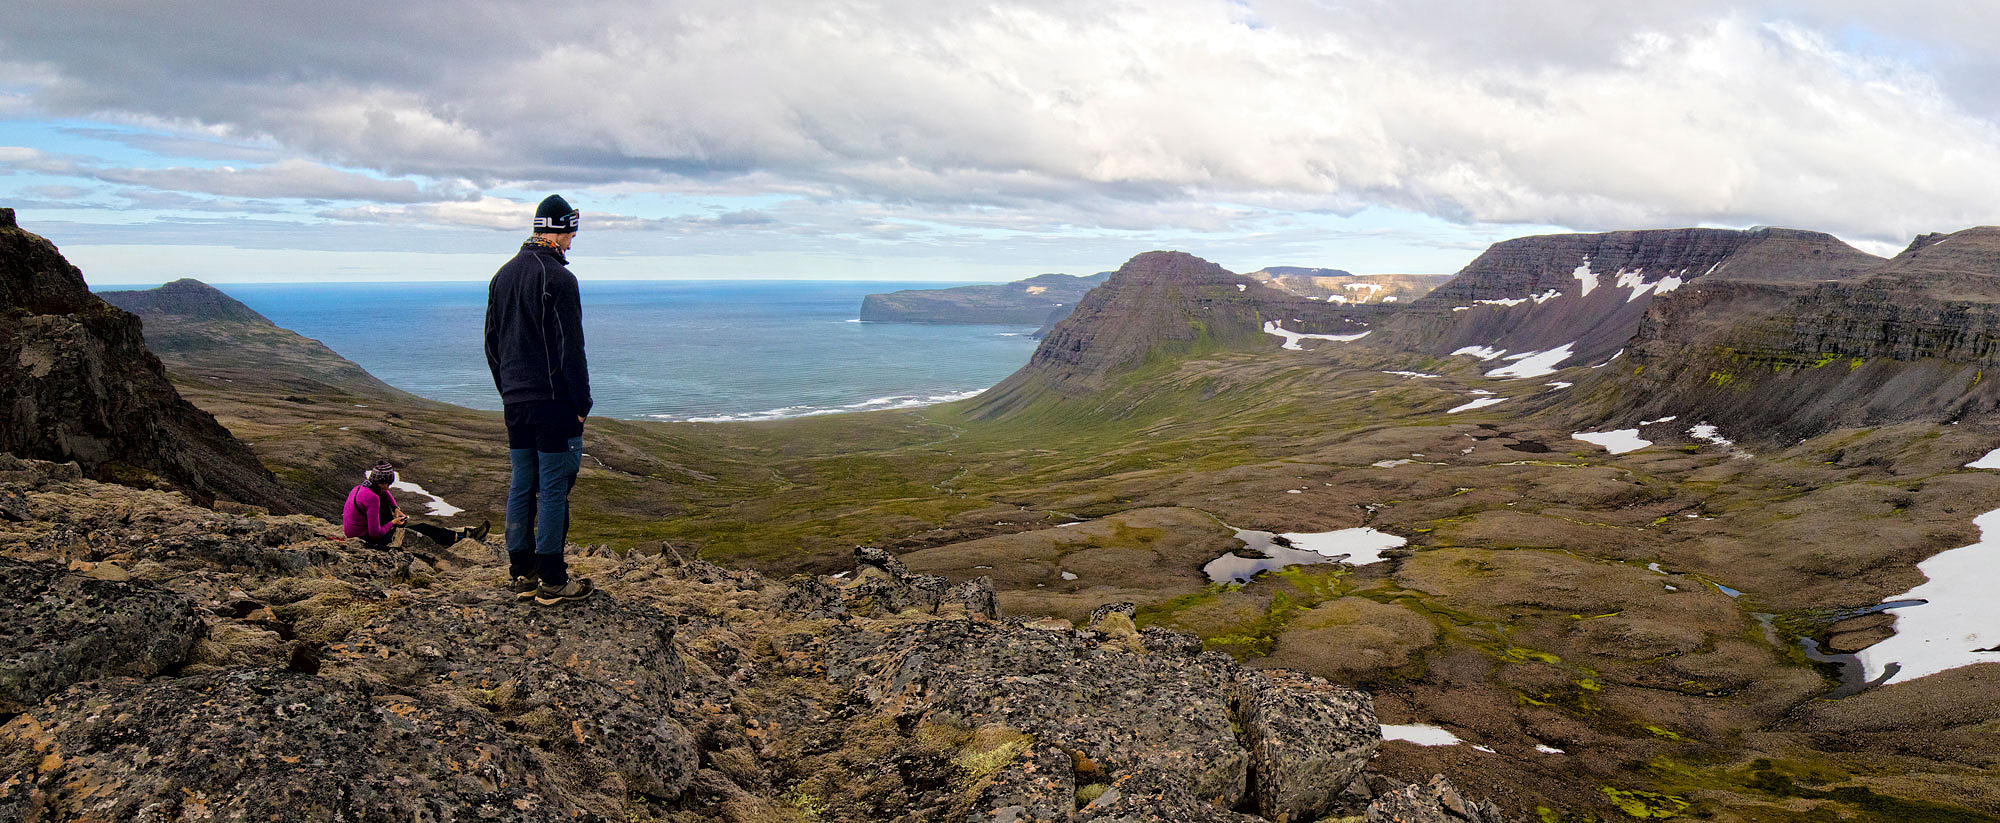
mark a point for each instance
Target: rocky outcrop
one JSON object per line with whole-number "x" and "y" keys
{"x": 1909, "y": 340}
{"x": 1590, "y": 292}
{"x": 1027, "y": 302}
{"x": 1434, "y": 802}
{"x": 1160, "y": 305}
{"x": 684, "y": 691}
{"x": 77, "y": 383}
{"x": 1310, "y": 740}
{"x": 64, "y": 627}
{"x": 199, "y": 331}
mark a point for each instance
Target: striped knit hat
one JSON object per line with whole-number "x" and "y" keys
{"x": 384, "y": 473}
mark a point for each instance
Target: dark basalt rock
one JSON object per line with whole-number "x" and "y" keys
{"x": 267, "y": 745}
{"x": 60, "y": 628}
{"x": 359, "y": 689}
{"x": 597, "y": 675}
{"x": 1434, "y": 802}
{"x": 1151, "y": 796}
{"x": 77, "y": 383}
{"x": 1168, "y": 712}
{"x": 1598, "y": 322}
{"x": 1775, "y": 362}
{"x": 1039, "y": 786}
{"x": 1311, "y": 739}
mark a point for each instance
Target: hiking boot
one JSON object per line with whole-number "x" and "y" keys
{"x": 478, "y": 532}
{"x": 578, "y": 589}
{"x": 523, "y": 587}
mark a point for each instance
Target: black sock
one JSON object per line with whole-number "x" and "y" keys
{"x": 521, "y": 564}
{"x": 554, "y": 572}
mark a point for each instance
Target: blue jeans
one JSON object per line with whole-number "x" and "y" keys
{"x": 539, "y": 494}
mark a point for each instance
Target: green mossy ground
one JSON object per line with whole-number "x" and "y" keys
{"x": 1524, "y": 611}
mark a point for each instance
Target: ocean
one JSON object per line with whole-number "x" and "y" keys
{"x": 713, "y": 351}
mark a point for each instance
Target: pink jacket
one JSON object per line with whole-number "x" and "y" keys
{"x": 365, "y": 516}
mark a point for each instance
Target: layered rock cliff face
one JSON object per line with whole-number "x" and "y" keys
{"x": 1158, "y": 305}
{"x": 1041, "y": 299}
{"x": 1590, "y": 291}
{"x": 77, "y": 383}
{"x": 199, "y": 331}
{"x": 186, "y": 664}
{"x": 1917, "y": 338}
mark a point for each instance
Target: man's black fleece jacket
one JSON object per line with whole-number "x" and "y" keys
{"x": 534, "y": 330}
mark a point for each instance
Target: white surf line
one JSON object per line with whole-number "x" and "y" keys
{"x": 1480, "y": 403}
{"x": 437, "y": 504}
{"x": 1292, "y": 338}
{"x": 1959, "y": 620}
{"x": 1616, "y": 441}
{"x": 1535, "y": 364}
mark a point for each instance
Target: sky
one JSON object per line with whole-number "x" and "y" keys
{"x": 249, "y": 141}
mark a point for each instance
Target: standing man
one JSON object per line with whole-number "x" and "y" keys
{"x": 534, "y": 345}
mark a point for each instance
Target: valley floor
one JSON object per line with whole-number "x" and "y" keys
{"x": 1609, "y": 636}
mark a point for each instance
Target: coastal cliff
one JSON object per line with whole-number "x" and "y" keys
{"x": 1035, "y": 301}
{"x": 199, "y": 331}
{"x": 77, "y": 383}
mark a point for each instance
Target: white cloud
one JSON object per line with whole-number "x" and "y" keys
{"x": 289, "y": 178}
{"x": 1118, "y": 115}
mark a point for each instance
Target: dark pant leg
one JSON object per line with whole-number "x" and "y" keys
{"x": 558, "y": 477}
{"x": 438, "y": 534}
{"x": 522, "y": 489}
{"x": 544, "y": 441}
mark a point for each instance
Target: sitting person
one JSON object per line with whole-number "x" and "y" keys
{"x": 371, "y": 514}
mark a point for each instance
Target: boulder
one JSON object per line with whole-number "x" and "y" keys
{"x": 1039, "y": 786}
{"x": 1308, "y": 740}
{"x": 265, "y": 745}
{"x": 1098, "y": 701}
{"x": 1150, "y": 796}
{"x": 597, "y": 675}
{"x": 60, "y": 628}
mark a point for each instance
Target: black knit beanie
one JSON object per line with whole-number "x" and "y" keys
{"x": 554, "y": 216}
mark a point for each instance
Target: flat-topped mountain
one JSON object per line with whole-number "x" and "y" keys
{"x": 1586, "y": 293}
{"x": 1908, "y": 339}
{"x": 1035, "y": 301}
{"x": 189, "y": 322}
{"x": 77, "y": 383}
